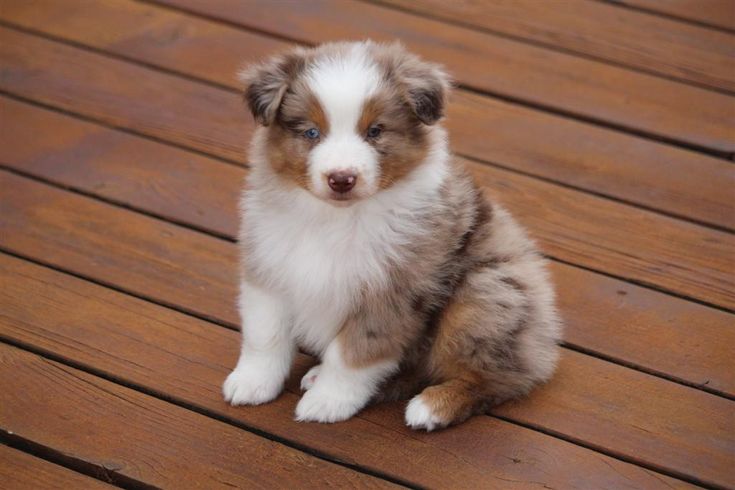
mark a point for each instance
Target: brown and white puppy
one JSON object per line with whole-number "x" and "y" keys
{"x": 365, "y": 244}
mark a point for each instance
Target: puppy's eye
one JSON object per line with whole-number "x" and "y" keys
{"x": 374, "y": 131}
{"x": 312, "y": 133}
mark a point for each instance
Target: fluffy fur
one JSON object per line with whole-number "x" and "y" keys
{"x": 410, "y": 283}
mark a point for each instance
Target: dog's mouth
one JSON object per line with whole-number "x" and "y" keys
{"x": 342, "y": 198}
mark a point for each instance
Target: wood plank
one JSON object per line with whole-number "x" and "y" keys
{"x": 668, "y": 446}
{"x": 174, "y": 184}
{"x": 604, "y": 315}
{"x": 124, "y": 95}
{"x": 604, "y": 161}
{"x": 150, "y": 346}
{"x": 645, "y": 42}
{"x": 694, "y": 261}
{"x": 623, "y": 167}
{"x": 21, "y": 471}
{"x": 146, "y": 253}
{"x": 480, "y": 60}
{"x": 719, "y": 13}
{"x": 145, "y": 439}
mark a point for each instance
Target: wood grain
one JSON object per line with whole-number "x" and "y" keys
{"x": 719, "y": 13}
{"x": 604, "y": 315}
{"x": 214, "y": 51}
{"x": 625, "y": 167}
{"x": 21, "y": 471}
{"x": 638, "y": 40}
{"x": 142, "y": 255}
{"x": 666, "y": 445}
{"x": 174, "y": 184}
{"x": 672, "y": 265}
{"x": 148, "y": 440}
{"x": 151, "y": 346}
{"x": 120, "y": 94}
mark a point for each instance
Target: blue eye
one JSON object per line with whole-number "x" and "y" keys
{"x": 312, "y": 133}
{"x": 374, "y": 131}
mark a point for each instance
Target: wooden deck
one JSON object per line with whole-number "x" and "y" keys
{"x": 607, "y": 127}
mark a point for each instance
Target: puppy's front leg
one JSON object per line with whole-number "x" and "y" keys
{"x": 366, "y": 351}
{"x": 341, "y": 388}
{"x": 267, "y": 348}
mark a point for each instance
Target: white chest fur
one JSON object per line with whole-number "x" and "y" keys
{"x": 319, "y": 257}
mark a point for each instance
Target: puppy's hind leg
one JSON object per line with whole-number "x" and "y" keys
{"x": 440, "y": 405}
{"x": 495, "y": 341}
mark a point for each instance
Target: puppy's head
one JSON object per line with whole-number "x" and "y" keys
{"x": 346, "y": 120}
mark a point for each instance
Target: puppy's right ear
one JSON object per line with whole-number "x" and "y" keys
{"x": 266, "y": 83}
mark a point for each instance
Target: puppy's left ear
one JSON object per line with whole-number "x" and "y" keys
{"x": 266, "y": 83}
{"x": 426, "y": 84}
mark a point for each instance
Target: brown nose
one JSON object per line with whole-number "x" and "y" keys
{"x": 342, "y": 181}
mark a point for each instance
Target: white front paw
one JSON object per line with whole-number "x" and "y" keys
{"x": 251, "y": 385}
{"x": 310, "y": 377}
{"x": 321, "y": 406}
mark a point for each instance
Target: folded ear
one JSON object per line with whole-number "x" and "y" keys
{"x": 265, "y": 83}
{"x": 426, "y": 85}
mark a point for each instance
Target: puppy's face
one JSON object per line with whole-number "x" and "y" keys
{"x": 346, "y": 120}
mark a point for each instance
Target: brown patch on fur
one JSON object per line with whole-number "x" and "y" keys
{"x": 288, "y": 148}
{"x": 455, "y": 400}
{"x": 266, "y": 83}
{"x": 368, "y": 336}
{"x": 423, "y": 85}
{"x": 402, "y": 144}
{"x": 288, "y": 154}
{"x": 316, "y": 114}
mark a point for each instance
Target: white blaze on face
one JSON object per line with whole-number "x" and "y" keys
{"x": 343, "y": 84}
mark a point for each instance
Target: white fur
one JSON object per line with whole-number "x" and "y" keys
{"x": 339, "y": 390}
{"x": 420, "y": 416}
{"x": 342, "y": 86}
{"x": 267, "y": 349}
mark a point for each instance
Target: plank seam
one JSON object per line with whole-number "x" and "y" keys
{"x": 613, "y": 454}
{"x": 117, "y": 203}
{"x": 222, "y": 418}
{"x": 116, "y": 288}
{"x": 723, "y": 156}
{"x": 78, "y": 465}
{"x": 541, "y": 44}
{"x": 122, "y": 129}
{"x": 651, "y": 372}
{"x": 665, "y": 15}
{"x": 601, "y": 195}
{"x": 593, "y": 121}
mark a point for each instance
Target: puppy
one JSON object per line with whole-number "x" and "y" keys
{"x": 366, "y": 245}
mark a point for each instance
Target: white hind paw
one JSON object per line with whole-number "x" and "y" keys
{"x": 420, "y": 416}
